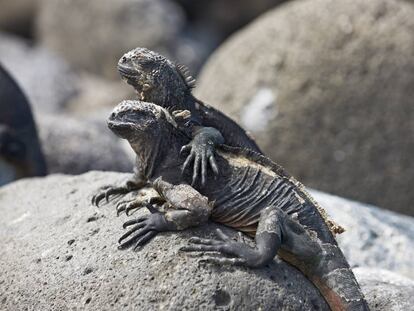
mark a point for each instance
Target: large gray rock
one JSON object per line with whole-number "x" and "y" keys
{"x": 374, "y": 237}
{"x": 58, "y": 252}
{"x": 75, "y": 146}
{"x": 386, "y": 291}
{"x": 47, "y": 80}
{"x": 94, "y": 34}
{"x": 326, "y": 88}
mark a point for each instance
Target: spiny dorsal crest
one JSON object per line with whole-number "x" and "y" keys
{"x": 184, "y": 72}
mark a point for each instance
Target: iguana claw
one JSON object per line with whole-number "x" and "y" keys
{"x": 145, "y": 228}
{"x": 224, "y": 245}
{"x": 106, "y": 192}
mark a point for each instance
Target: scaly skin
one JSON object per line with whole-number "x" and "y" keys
{"x": 252, "y": 195}
{"x": 160, "y": 81}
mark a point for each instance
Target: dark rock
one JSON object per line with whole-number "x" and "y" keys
{"x": 17, "y": 15}
{"x": 46, "y": 79}
{"x": 20, "y": 152}
{"x": 101, "y": 31}
{"x": 373, "y": 237}
{"x": 40, "y": 216}
{"x": 75, "y": 146}
{"x": 326, "y": 87}
{"x": 225, "y": 16}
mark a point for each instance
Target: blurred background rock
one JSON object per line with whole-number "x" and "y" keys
{"x": 325, "y": 86}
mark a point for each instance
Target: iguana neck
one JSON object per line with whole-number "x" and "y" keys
{"x": 155, "y": 151}
{"x": 182, "y": 100}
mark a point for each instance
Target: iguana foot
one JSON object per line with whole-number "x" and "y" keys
{"x": 243, "y": 254}
{"x": 130, "y": 206}
{"x": 144, "y": 229}
{"x": 201, "y": 151}
{"x": 106, "y": 192}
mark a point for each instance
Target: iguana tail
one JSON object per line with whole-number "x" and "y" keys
{"x": 331, "y": 274}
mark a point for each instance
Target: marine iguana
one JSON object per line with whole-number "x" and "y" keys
{"x": 20, "y": 152}
{"x": 252, "y": 195}
{"x": 158, "y": 80}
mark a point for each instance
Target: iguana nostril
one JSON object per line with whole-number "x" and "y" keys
{"x": 112, "y": 116}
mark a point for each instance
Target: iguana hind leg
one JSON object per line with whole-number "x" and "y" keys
{"x": 268, "y": 240}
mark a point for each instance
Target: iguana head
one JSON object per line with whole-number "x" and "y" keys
{"x": 150, "y": 129}
{"x": 133, "y": 119}
{"x": 155, "y": 78}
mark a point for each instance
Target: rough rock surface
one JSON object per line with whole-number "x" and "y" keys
{"x": 46, "y": 79}
{"x": 374, "y": 237}
{"x": 386, "y": 290}
{"x": 326, "y": 87}
{"x": 100, "y": 31}
{"x": 59, "y": 252}
{"x": 75, "y": 146}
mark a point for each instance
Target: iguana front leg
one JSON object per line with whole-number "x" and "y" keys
{"x": 186, "y": 208}
{"x": 201, "y": 151}
{"x": 268, "y": 240}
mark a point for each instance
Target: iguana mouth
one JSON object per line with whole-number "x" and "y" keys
{"x": 127, "y": 71}
{"x": 121, "y": 128}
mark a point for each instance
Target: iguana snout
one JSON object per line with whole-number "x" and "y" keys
{"x": 132, "y": 117}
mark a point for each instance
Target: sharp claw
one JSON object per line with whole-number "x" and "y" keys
{"x": 184, "y": 149}
{"x": 187, "y": 162}
{"x": 213, "y": 164}
{"x": 129, "y": 232}
{"x": 128, "y": 209}
{"x": 120, "y": 209}
{"x": 203, "y": 170}
{"x": 98, "y": 200}
{"x": 195, "y": 169}
{"x": 133, "y": 221}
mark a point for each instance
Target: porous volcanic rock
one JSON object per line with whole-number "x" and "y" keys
{"x": 386, "y": 291}
{"x": 46, "y": 79}
{"x": 374, "y": 237}
{"x": 75, "y": 146}
{"x": 327, "y": 89}
{"x": 94, "y": 34}
{"x": 58, "y": 252}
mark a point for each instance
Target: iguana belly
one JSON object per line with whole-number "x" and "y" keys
{"x": 248, "y": 191}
